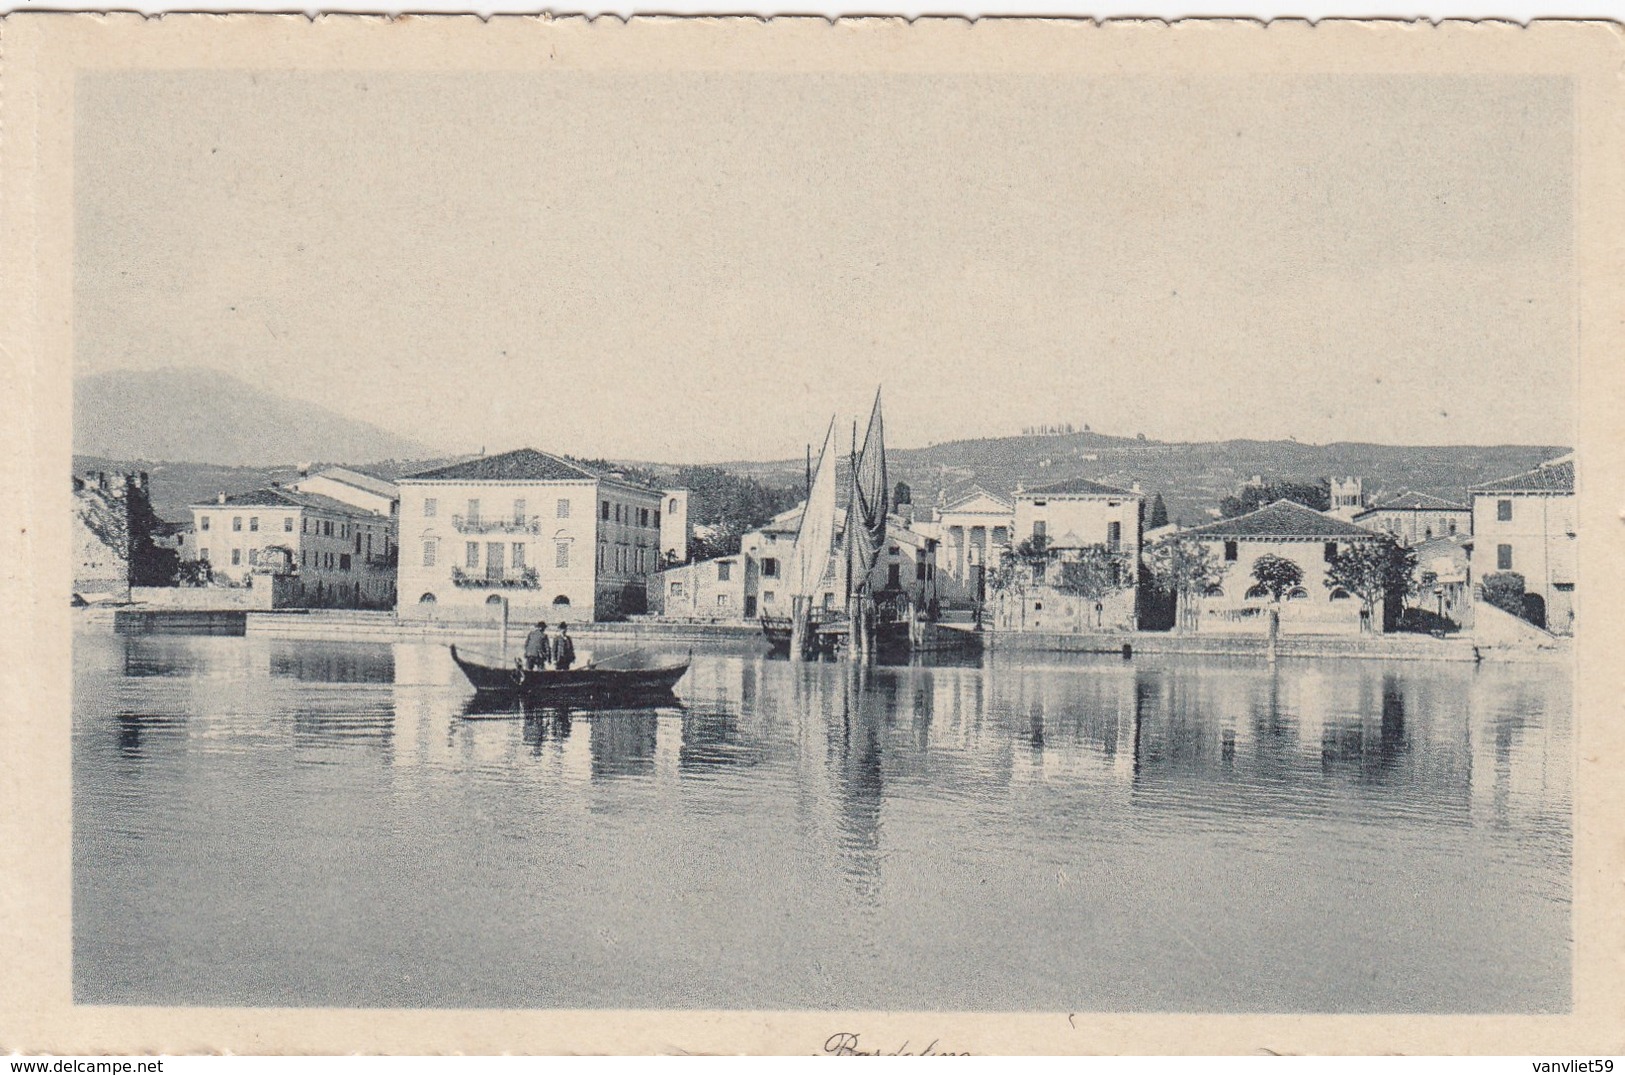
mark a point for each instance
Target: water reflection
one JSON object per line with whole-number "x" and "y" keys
{"x": 1302, "y": 742}
{"x": 714, "y": 739}
{"x": 546, "y": 727}
{"x": 333, "y": 662}
{"x": 1058, "y": 823}
{"x": 622, "y": 743}
{"x": 139, "y": 733}
{"x": 859, "y": 784}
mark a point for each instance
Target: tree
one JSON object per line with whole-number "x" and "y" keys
{"x": 1373, "y": 571}
{"x": 1092, "y": 574}
{"x": 1159, "y": 513}
{"x": 1505, "y": 591}
{"x": 1033, "y": 549}
{"x": 733, "y": 505}
{"x": 1187, "y": 569}
{"x": 194, "y": 573}
{"x": 1008, "y": 578}
{"x": 1276, "y": 575}
{"x": 902, "y": 494}
{"x": 1317, "y": 495}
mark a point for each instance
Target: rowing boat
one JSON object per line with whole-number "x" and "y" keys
{"x": 585, "y": 684}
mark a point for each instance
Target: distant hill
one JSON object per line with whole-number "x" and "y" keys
{"x": 175, "y": 487}
{"x": 1191, "y": 477}
{"x": 204, "y": 416}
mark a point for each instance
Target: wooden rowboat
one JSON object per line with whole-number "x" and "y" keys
{"x": 585, "y": 684}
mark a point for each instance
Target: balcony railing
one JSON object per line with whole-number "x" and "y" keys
{"x": 523, "y": 579}
{"x": 479, "y": 524}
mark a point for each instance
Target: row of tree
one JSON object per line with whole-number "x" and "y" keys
{"x": 1316, "y": 494}
{"x": 1185, "y": 570}
{"x": 1060, "y": 429}
{"x": 729, "y": 506}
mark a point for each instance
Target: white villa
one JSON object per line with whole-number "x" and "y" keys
{"x": 556, "y": 539}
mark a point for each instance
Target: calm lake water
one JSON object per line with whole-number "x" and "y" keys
{"x": 265, "y": 822}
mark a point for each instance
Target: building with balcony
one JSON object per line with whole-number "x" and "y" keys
{"x": 1525, "y": 525}
{"x": 329, "y": 554}
{"x": 557, "y": 539}
{"x": 1416, "y": 518}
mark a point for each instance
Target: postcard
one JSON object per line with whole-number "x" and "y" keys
{"x": 738, "y": 536}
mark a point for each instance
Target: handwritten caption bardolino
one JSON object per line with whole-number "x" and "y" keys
{"x": 847, "y": 1044}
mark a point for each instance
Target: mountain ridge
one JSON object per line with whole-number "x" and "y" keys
{"x": 188, "y": 414}
{"x": 111, "y": 411}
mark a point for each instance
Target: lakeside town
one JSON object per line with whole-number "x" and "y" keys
{"x": 1323, "y": 564}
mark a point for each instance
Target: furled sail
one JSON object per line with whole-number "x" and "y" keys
{"x": 865, "y": 535}
{"x": 815, "y": 541}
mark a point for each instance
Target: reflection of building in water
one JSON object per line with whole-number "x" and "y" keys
{"x": 427, "y": 687}
{"x": 622, "y": 743}
{"x": 323, "y": 662}
{"x": 1521, "y": 769}
{"x": 1076, "y": 722}
{"x": 1303, "y": 736}
{"x": 143, "y": 734}
{"x": 345, "y": 721}
{"x": 715, "y": 739}
{"x": 1369, "y": 743}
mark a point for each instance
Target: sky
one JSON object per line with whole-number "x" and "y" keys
{"x": 707, "y": 266}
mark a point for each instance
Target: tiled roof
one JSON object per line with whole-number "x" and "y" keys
{"x": 1075, "y": 487}
{"x": 281, "y": 497}
{"x": 522, "y": 464}
{"x": 1285, "y": 519}
{"x": 1448, "y": 544}
{"x": 1555, "y": 477}
{"x": 967, "y": 494}
{"x": 377, "y": 486}
{"x": 1410, "y": 501}
{"x": 260, "y": 498}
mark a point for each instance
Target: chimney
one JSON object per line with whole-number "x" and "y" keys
{"x": 1135, "y": 487}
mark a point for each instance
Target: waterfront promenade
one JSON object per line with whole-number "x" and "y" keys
{"x": 360, "y": 626}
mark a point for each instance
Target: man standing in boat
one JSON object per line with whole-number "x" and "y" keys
{"x": 564, "y": 649}
{"x": 537, "y": 648}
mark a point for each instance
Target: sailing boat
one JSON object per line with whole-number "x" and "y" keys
{"x": 809, "y": 559}
{"x": 864, "y": 536}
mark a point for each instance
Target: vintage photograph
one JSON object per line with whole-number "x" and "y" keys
{"x": 952, "y": 536}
